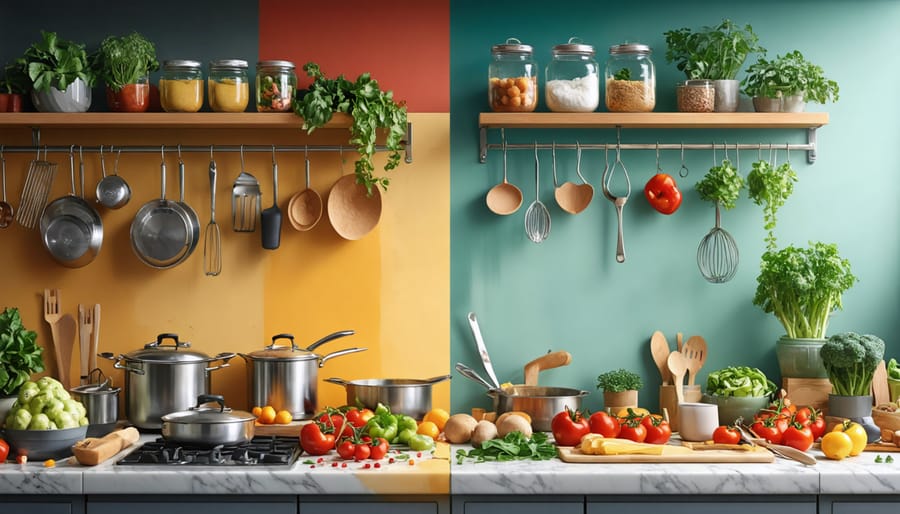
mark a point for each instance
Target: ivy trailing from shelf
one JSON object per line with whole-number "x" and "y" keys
{"x": 371, "y": 109}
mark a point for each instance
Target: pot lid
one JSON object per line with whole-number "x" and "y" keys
{"x": 512, "y": 46}
{"x": 574, "y": 46}
{"x": 158, "y": 352}
{"x": 210, "y": 408}
{"x": 629, "y": 48}
{"x": 275, "y": 352}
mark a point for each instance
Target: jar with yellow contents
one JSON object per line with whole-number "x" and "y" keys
{"x": 227, "y": 85}
{"x": 181, "y": 86}
{"x": 512, "y": 77}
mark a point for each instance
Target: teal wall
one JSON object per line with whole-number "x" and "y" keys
{"x": 569, "y": 293}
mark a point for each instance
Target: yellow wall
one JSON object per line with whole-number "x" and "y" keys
{"x": 391, "y": 287}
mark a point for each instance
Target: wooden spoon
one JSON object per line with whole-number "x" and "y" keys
{"x": 351, "y": 211}
{"x": 678, "y": 367}
{"x": 573, "y": 198}
{"x": 659, "y": 349}
{"x": 548, "y": 361}
{"x": 504, "y": 198}
{"x": 880, "y": 389}
{"x": 695, "y": 352}
{"x": 65, "y": 344}
{"x": 305, "y": 207}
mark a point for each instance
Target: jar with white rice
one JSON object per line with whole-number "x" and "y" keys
{"x": 573, "y": 78}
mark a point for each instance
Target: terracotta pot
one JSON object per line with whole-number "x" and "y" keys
{"x": 10, "y": 102}
{"x": 131, "y": 98}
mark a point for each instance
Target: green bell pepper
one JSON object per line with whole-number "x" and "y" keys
{"x": 382, "y": 425}
{"x": 421, "y": 442}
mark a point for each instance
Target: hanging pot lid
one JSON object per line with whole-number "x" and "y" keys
{"x": 210, "y": 409}
{"x": 158, "y": 352}
{"x": 274, "y": 352}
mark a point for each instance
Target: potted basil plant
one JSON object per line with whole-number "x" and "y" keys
{"x": 19, "y": 358}
{"x": 620, "y": 389}
{"x": 716, "y": 54}
{"x": 124, "y": 63}
{"x": 60, "y": 73}
{"x": 787, "y": 83}
{"x": 13, "y": 86}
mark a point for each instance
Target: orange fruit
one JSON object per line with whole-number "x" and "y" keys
{"x": 437, "y": 416}
{"x": 256, "y": 411}
{"x": 428, "y": 428}
{"x": 267, "y": 416}
{"x": 283, "y": 417}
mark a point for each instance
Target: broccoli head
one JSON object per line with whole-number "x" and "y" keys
{"x": 850, "y": 360}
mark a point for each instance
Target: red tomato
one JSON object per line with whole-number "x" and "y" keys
{"x": 379, "y": 450}
{"x": 658, "y": 430}
{"x": 363, "y": 451}
{"x": 633, "y": 430}
{"x": 342, "y": 427}
{"x": 802, "y": 415}
{"x": 568, "y": 427}
{"x": 662, "y": 193}
{"x": 817, "y": 424}
{"x": 346, "y": 449}
{"x": 4, "y": 451}
{"x": 359, "y": 417}
{"x": 768, "y": 430}
{"x": 604, "y": 424}
{"x": 726, "y": 435}
{"x": 797, "y": 436}
{"x": 314, "y": 441}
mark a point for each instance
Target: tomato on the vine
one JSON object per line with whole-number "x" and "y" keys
{"x": 315, "y": 439}
{"x": 362, "y": 452}
{"x": 359, "y": 417}
{"x": 726, "y": 434}
{"x": 4, "y": 451}
{"x": 768, "y": 429}
{"x": 379, "y": 448}
{"x": 813, "y": 418}
{"x": 346, "y": 449}
{"x": 602, "y": 423}
{"x": 658, "y": 430}
{"x": 797, "y": 436}
{"x": 633, "y": 429}
{"x": 569, "y": 426}
{"x": 335, "y": 419}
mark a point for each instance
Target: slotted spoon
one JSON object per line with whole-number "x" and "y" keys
{"x": 695, "y": 352}
{"x": 537, "y": 217}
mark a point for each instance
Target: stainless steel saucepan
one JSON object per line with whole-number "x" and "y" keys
{"x": 209, "y": 423}
{"x": 404, "y": 395}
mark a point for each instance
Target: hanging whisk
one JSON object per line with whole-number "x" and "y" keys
{"x": 717, "y": 255}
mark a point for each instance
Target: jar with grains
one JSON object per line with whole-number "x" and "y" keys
{"x": 696, "y": 96}
{"x": 512, "y": 77}
{"x": 276, "y": 82}
{"x": 630, "y": 79}
{"x": 227, "y": 85}
{"x": 181, "y": 86}
{"x": 573, "y": 78}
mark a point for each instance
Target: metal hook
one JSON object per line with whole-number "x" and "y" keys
{"x": 102, "y": 161}
{"x": 119, "y": 154}
{"x": 758, "y": 151}
{"x": 242, "y": 157}
{"x": 715, "y": 160}
{"x": 273, "y": 155}
{"x": 179, "y": 156}
{"x": 725, "y": 146}
{"x": 737, "y": 157}
{"x": 683, "y": 172}
{"x": 553, "y": 154}
{"x": 578, "y": 164}
{"x": 787, "y": 151}
{"x": 306, "y": 152}
{"x": 774, "y": 157}
{"x": 162, "y": 152}
{"x": 658, "y": 169}
{"x": 211, "y": 153}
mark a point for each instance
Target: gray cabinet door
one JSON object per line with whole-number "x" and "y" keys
{"x": 196, "y": 504}
{"x": 370, "y": 507}
{"x": 37, "y": 507}
{"x": 851, "y": 507}
{"x": 520, "y": 505}
{"x": 702, "y": 505}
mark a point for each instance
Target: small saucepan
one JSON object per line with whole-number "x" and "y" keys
{"x": 210, "y": 423}
{"x": 403, "y": 395}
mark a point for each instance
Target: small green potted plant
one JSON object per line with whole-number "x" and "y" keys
{"x": 60, "y": 73}
{"x": 124, "y": 63}
{"x": 13, "y": 86}
{"x": 850, "y": 360}
{"x": 716, "y": 54}
{"x": 19, "y": 357}
{"x": 786, "y": 83}
{"x": 620, "y": 389}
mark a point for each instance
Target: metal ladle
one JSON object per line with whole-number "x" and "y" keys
{"x": 112, "y": 190}
{"x": 618, "y": 201}
{"x": 6, "y": 210}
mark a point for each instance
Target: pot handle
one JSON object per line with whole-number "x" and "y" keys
{"x": 162, "y": 337}
{"x": 276, "y": 337}
{"x": 118, "y": 359}
{"x": 339, "y": 353}
{"x": 329, "y": 337}
{"x": 224, "y": 357}
{"x": 338, "y": 381}
{"x": 435, "y": 380}
{"x": 211, "y": 398}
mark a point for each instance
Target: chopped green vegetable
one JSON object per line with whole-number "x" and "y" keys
{"x": 739, "y": 381}
{"x": 623, "y": 74}
{"x": 619, "y": 380}
{"x": 878, "y": 459}
{"x": 893, "y": 370}
{"x": 889, "y": 459}
{"x": 850, "y": 360}
{"x": 721, "y": 184}
{"x": 514, "y": 446}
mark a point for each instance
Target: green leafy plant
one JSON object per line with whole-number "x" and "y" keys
{"x": 850, "y": 360}
{"x": 789, "y": 75}
{"x": 893, "y": 370}
{"x": 512, "y": 446}
{"x": 802, "y": 287}
{"x": 770, "y": 187}
{"x": 721, "y": 184}
{"x": 619, "y": 380}
{"x": 371, "y": 109}
{"x": 57, "y": 62}
{"x": 123, "y": 60}
{"x": 714, "y": 53}
{"x": 739, "y": 381}
{"x": 623, "y": 74}
{"x": 19, "y": 355}
{"x": 15, "y": 78}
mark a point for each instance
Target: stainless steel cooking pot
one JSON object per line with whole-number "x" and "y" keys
{"x": 541, "y": 403}
{"x": 102, "y": 405}
{"x": 209, "y": 423}
{"x": 403, "y": 395}
{"x": 160, "y": 379}
{"x": 71, "y": 229}
{"x": 286, "y": 377}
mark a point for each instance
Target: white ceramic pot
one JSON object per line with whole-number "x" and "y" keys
{"x": 794, "y": 103}
{"x": 76, "y": 98}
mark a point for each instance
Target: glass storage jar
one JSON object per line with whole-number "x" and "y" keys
{"x": 181, "y": 86}
{"x": 275, "y": 85}
{"x": 512, "y": 77}
{"x": 227, "y": 86}
{"x": 696, "y": 96}
{"x": 630, "y": 79}
{"x": 573, "y": 78}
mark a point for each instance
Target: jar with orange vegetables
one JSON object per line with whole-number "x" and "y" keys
{"x": 512, "y": 77}
{"x": 227, "y": 85}
{"x": 181, "y": 86}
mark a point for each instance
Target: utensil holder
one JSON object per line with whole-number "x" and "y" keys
{"x": 669, "y": 400}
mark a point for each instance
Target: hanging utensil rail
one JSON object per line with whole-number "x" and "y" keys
{"x": 194, "y": 148}
{"x": 807, "y": 147}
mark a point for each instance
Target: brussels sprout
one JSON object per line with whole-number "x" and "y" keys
{"x": 83, "y": 421}
{"x": 39, "y": 402}
{"x": 27, "y": 392}
{"x": 75, "y": 408}
{"x": 53, "y": 426}
{"x": 39, "y": 422}
{"x": 19, "y": 420}
{"x": 65, "y": 420}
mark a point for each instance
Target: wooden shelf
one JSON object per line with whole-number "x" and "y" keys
{"x": 154, "y": 120}
{"x": 653, "y": 120}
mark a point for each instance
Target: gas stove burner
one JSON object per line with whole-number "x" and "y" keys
{"x": 262, "y": 450}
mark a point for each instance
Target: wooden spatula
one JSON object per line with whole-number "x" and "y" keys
{"x": 548, "y": 361}
{"x": 695, "y": 351}
{"x": 659, "y": 349}
{"x": 65, "y": 344}
{"x": 880, "y": 389}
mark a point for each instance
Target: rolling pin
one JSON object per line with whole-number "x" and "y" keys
{"x": 93, "y": 451}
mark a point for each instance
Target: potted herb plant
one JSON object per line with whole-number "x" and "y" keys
{"x": 786, "y": 83}
{"x": 620, "y": 389}
{"x": 850, "y": 360}
{"x": 13, "y": 86}
{"x": 371, "y": 108}
{"x": 19, "y": 357}
{"x": 714, "y": 53}
{"x": 124, "y": 63}
{"x": 60, "y": 73}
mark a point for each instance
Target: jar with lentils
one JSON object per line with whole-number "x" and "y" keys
{"x": 630, "y": 79}
{"x": 512, "y": 77}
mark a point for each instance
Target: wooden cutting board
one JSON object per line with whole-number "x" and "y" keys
{"x": 757, "y": 454}
{"x": 291, "y": 429}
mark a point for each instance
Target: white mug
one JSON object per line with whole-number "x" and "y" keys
{"x": 697, "y": 421}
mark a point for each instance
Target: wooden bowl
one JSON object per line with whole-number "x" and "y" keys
{"x": 886, "y": 420}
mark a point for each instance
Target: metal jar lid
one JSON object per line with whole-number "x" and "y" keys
{"x": 574, "y": 46}
{"x": 156, "y": 351}
{"x": 275, "y": 64}
{"x": 228, "y": 63}
{"x": 512, "y": 46}
{"x": 181, "y": 64}
{"x": 206, "y": 412}
{"x": 629, "y": 48}
{"x": 274, "y": 352}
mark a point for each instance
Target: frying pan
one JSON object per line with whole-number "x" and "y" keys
{"x": 71, "y": 229}
{"x": 161, "y": 231}
{"x": 194, "y": 233}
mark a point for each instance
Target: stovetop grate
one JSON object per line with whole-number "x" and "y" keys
{"x": 262, "y": 450}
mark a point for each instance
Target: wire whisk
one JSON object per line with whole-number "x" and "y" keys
{"x": 717, "y": 255}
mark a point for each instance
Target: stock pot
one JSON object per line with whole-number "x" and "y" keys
{"x": 209, "y": 423}
{"x": 161, "y": 379}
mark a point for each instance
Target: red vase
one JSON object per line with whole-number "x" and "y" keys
{"x": 131, "y": 98}
{"x": 10, "y": 102}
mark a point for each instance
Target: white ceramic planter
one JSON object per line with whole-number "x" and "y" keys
{"x": 76, "y": 98}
